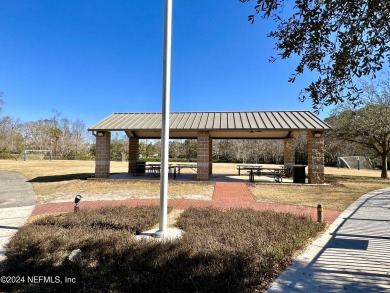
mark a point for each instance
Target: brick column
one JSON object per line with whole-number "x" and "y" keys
{"x": 102, "y": 159}
{"x": 210, "y": 156}
{"x": 316, "y": 158}
{"x": 133, "y": 152}
{"x": 203, "y": 155}
{"x": 289, "y": 153}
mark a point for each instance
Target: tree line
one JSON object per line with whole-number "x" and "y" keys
{"x": 356, "y": 131}
{"x": 67, "y": 139}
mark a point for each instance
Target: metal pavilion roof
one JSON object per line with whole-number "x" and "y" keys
{"x": 253, "y": 124}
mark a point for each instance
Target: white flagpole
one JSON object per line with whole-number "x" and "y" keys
{"x": 166, "y": 95}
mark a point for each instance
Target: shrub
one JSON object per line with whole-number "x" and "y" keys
{"x": 8, "y": 156}
{"x": 237, "y": 250}
{"x": 242, "y": 249}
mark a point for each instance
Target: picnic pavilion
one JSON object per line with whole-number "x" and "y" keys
{"x": 206, "y": 126}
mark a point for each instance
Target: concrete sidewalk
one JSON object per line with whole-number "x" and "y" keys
{"x": 352, "y": 256}
{"x": 17, "y": 200}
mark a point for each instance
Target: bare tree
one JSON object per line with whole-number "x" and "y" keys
{"x": 1, "y": 101}
{"x": 37, "y": 134}
{"x": 11, "y": 139}
{"x": 79, "y": 133}
{"x": 370, "y": 125}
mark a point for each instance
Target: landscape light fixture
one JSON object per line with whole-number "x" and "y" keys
{"x": 76, "y": 203}
{"x": 317, "y": 134}
{"x": 100, "y": 134}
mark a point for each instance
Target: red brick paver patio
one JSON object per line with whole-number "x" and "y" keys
{"x": 226, "y": 195}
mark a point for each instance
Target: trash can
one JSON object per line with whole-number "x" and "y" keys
{"x": 299, "y": 173}
{"x": 140, "y": 165}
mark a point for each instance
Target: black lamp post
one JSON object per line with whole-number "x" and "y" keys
{"x": 76, "y": 203}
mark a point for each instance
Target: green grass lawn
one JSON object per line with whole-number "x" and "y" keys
{"x": 238, "y": 250}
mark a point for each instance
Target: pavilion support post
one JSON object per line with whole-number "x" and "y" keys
{"x": 316, "y": 157}
{"x": 289, "y": 153}
{"x": 210, "y": 156}
{"x": 133, "y": 153}
{"x": 203, "y": 155}
{"x": 102, "y": 159}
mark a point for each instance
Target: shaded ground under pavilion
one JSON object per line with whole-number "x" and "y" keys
{"x": 206, "y": 126}
{"x": 191, "y": 175}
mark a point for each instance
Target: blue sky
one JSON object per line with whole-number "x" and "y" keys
{"x": 90, "y": 58}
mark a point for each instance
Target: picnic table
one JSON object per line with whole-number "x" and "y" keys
{"x": 177, "y": 168}
{"x": 142, "y": 168}
{"x": 155, "y": 168}
{"x": 278, "y": 173}
{"x": 247, "y": 167}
